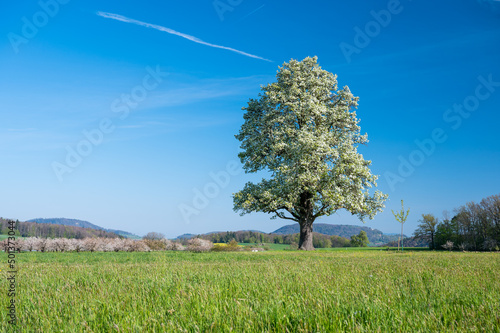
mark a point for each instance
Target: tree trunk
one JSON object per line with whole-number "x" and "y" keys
{"x": 306, "y": 221}
{"x": 306, "y": 236}
{"x": 402, "y": 245}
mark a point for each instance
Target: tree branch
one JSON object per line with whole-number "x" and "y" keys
{"x": 290, "y": 211}
{"x": 282, "y": 215}
{"x": 321, "y": 211}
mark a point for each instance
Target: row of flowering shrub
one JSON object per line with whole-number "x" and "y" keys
{"x": 91, "y": 245}
{"x": 110, "y": 245}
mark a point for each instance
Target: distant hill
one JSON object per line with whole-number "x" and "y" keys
{"x": 186, "y": 236}
{"x": 125, "y": 234}
{"x": 70, "y": 222}
{"x": 375, "y": 236}
{"x": 82, "y": 224}
{"x": 50, "y": 230}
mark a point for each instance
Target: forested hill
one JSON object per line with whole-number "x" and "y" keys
{"x": 47, "y": 230}
{"x": 375, "y": 236}
{"x": 70, "y": 222}
{"x": 82, "y": 224}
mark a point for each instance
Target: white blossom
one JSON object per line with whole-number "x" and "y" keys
{"x": 303, "y": 130}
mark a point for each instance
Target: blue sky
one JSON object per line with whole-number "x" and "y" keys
{"x": 419, "y": 67}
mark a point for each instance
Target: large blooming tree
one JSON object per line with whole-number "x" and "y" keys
{"x": 304, "y": 132}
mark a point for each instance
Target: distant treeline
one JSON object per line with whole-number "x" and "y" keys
{"x": 44, "y": 230}
{"x": 375, "y": 236}
{"x": 319, "y": 240}
{"x": 409, "y": 242}
{"x": 475, "y": 226}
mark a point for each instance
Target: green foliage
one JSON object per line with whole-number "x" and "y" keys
{"x": 230, "y": 246}
{"x": 476, "y": 226}
{"x": 249, "y": 237}
{"x": 219, "y": 247}
{"x": 427, "y": 229}
{"x": 360, "y": 240}
{"x": 375, "y": 236}
{"x": 401, "y": 217}
{"x": 447, "y": 230}
{"x": 409, "y": 242}
{"x": 354, "y": 291}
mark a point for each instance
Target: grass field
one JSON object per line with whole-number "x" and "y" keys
{"x": 278, "y": 247}
{"x": 2, "y": 237}
{"x": 271, "y": 246}
{"x": 275, "y": 291}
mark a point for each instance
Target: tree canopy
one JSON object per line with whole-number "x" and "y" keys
{"x": 303, "y": 130}
{"x": 427, "y": 229}
{"x": 360, "y": 240}
{"x": 401, "y": 217}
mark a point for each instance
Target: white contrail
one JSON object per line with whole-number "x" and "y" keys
{"x": 173, "y": 32}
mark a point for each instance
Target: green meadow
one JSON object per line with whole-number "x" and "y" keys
{"x": 273, "y": 291}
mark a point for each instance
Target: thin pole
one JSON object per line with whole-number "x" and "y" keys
{"x": 402, "y": 246}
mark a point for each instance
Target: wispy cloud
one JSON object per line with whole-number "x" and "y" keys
{"x": 173, "y": 32}
{"x": 252, "y": 12}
